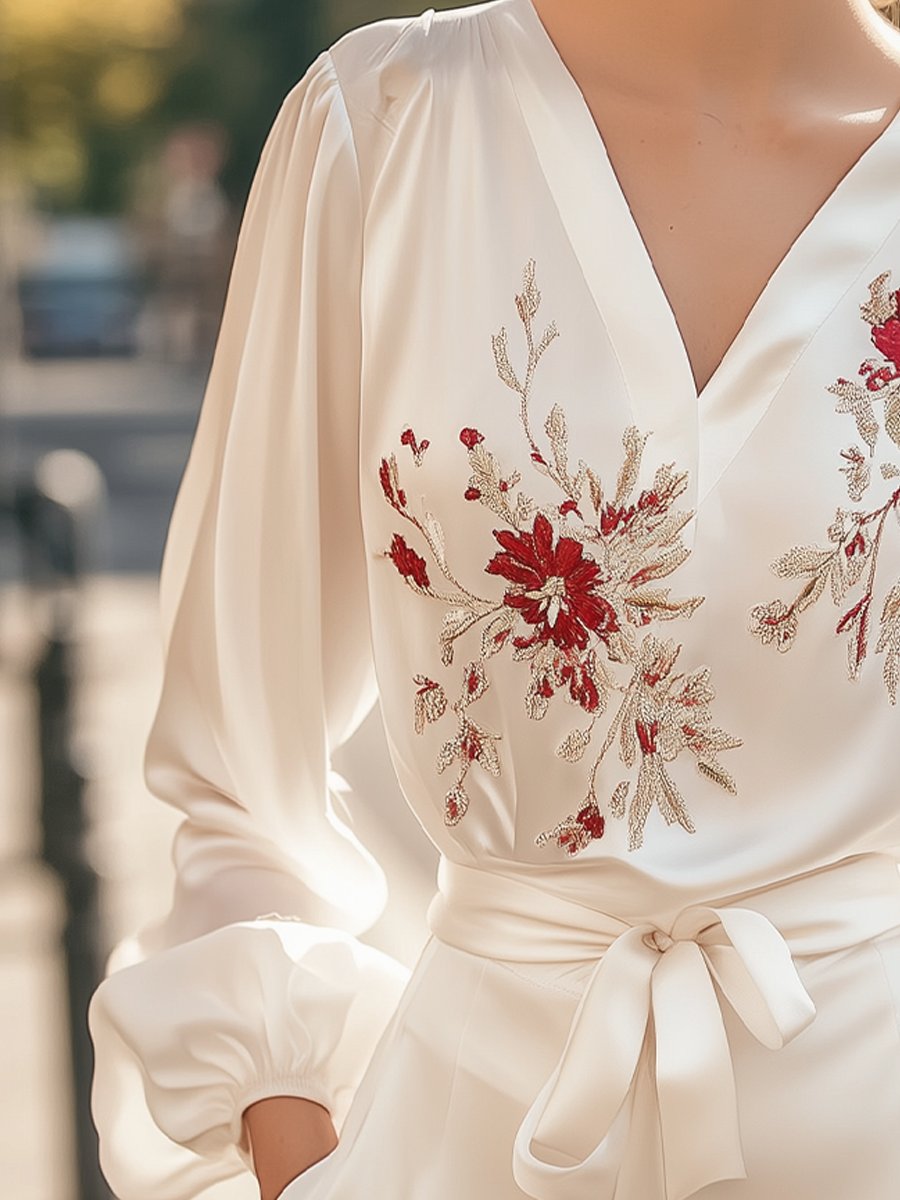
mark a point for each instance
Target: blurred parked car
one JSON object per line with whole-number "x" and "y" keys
{"x": 82, "y": 291}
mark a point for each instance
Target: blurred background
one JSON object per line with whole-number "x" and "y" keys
{"x": 129, "y": 133}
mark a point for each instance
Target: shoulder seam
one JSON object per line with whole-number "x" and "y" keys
{"x": 404, "y": 27}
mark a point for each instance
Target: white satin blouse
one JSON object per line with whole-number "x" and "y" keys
{"x": 636, "y": 649}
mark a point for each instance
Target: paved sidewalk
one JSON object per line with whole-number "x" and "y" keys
{"x": 120, "y": 665}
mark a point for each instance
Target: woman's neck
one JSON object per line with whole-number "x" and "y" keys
{"x": 730, "y": 55}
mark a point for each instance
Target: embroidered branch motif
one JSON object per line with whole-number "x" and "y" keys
{"x": 850, "y": 563}
{"x": 579, "y": 579}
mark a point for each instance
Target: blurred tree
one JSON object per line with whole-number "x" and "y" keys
{"x": 233, "y": 64}
{"x": 91, "y": 87}
{"x": 77, "y": 77}
{"x": 337, "y": 16}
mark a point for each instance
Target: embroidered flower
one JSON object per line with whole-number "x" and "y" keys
{"x": 886, "y": 335}
{"x": 852, "y": 558}
{"x": 556, "y": 588}
{"x": 390, "y": 483}
{"x": 577, "y": 831}
{"x": 775, "y": 622}
{"x": 410, "y": 565}
{"x": 582, "y": 575}
{"x": 408, "y": 438}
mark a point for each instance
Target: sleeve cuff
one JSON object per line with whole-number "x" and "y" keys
{"x": 201, "y": 1030}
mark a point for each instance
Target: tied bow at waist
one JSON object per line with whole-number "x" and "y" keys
{"x": 573, "y": 1139}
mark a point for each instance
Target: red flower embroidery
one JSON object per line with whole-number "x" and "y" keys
{"x": 886, "y": 335}
{"x": 557, "y": 587}
{"x": 408, "y": 438}
{"x": 614, "y": 517}
{"x": 582, "y": 688}
{"x": 877, "y": 377}
{"x": 573, "y": 834}
{"x": 470, "y": 437}
{"x": 408, "y": 563}
{"x": 387, "y": 474}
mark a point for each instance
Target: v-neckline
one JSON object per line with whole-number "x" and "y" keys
{"x": 812, "y": 275}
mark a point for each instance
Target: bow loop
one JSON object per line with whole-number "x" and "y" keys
{"x": 752, "y": 964}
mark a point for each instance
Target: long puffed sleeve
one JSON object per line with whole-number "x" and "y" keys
{"x": 255, "y": 983}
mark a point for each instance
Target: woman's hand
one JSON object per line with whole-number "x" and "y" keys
{"x": 287, "y": 1134}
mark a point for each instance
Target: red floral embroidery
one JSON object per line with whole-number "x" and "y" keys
{"x": 575, "y": 832}
{"x": 472, "y": 743}
{"x": 557, "y": 588}
{"x": 390, "y": 484}
{"x": 886, "y": 337}
{"x": 855, "y": 537}
{"x": 470, "y": 437}
{"x": 408, "y": 438}
{"x": 410, "y": 565}
{"x": 582, "y": 576}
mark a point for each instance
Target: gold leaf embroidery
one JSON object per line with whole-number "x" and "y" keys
{"x": 855, "y": 399}
{"x": 889, "y": 640}
{"x": 430, "y": 702}
{"x": 717, "y": 772}
{"x": 634, "y": 449}
{"x": 573, "y": 746}
{"x": 858, "y": 472}
{"x": 501, "y": 358}
{"x": 892, "y": 419}
{"x": 880, "y": 306}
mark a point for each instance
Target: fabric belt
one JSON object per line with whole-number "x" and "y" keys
{"x": 745, "y": 944}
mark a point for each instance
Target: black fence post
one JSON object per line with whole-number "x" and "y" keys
{"x": 57, "y": 510}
